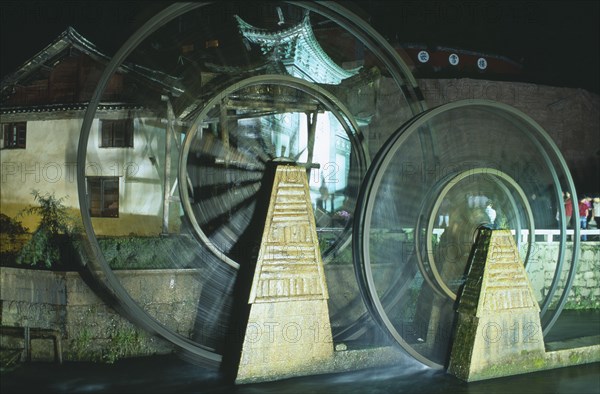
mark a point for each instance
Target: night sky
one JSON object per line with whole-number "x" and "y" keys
{"x": 556, "y": 41}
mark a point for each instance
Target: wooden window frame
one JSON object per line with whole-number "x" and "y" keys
{"x": 100, "y": 200}
{"x": 14, "y": 135}
{"x": 116, "y": 133}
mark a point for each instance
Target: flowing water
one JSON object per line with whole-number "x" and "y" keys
{"x": 169, "y": 374}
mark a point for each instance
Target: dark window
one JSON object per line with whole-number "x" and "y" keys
{"x": 103, "y": 194}
{"x": 14, "y": 135}
{"x": 117, "y": 133}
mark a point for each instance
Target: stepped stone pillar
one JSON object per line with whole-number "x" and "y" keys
{"x": 288, "y": 331}
{"x": 498, "y": 332}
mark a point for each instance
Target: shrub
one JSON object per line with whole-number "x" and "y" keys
{"x": 52, "y": 241}
{"x": 11, "y": 226}
{"x": 13, "y": 237}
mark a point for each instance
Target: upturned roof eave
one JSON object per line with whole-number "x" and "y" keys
{"x": 70, "y": 37}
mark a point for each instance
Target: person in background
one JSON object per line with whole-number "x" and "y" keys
{"x": 596, "y": 211}
{"x": 568, "y": 208}
{"x": 588, "y": 201}
{"x": 583, "y": 212}
{"x": 444, "y": 215}
{"x": 491, "y": 213}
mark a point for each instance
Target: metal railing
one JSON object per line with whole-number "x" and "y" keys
{"x": 547, "y": 234}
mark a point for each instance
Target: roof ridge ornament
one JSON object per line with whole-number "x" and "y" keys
{"x": 298, "y": 49}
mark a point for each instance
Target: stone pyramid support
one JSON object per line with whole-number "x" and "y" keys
{"x": 498, "y": 332}
{"x": 288, "y": 331}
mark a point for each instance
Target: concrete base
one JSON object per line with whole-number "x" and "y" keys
{"x": 288, "y": 331}
{"x": 285, "y": 339}
{"x": 341, "y": 361}
{"x": 498, "y": 332}
{"x": 527, "y": 363}
{"x": 561, "y": 354}
{"x": 573, "y": 352}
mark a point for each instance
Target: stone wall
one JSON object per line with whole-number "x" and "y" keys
{"x": 585, "y": 293}
{"x": 569, "y": 116}
{"x": 92, "y": 330}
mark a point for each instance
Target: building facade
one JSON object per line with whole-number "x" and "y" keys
{"x": 42, "y": 110}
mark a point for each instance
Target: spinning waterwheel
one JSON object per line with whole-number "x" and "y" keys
{"x": 312, "y": 83}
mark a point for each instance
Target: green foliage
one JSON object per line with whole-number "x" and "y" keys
{"x": 53, "y": 213}
{"x": 41, "y": 250}
{"x": 53, "y": 239}
{"x": 342, "y": 257}
{"x": 502, "y": 222}
{"x": 124, "y": 342}
{"x": 81, "y": 346}
{"x": 580, "y": 302}
{"x": 11, "y": 226}
{"x": 133, "y": 253}
{"x": 13, "y": 236}
{"x": 335, "y": 256}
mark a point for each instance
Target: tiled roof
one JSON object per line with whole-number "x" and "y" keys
{"x": 66, "y": 107}
{"x": 298, "y": 49}
{"x": 71, "y": 38}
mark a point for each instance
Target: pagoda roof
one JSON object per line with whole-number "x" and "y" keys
{"x": 298, "y": 49}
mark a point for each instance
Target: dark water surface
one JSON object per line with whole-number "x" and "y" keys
{"x": 169, "y": 374}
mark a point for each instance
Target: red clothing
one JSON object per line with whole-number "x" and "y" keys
{"x": 583, "y": 209}
{"x": 568, "y": 207}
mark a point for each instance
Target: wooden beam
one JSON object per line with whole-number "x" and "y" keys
{"x": 169, "y": 133}
{"x": 275, "y": 106}
{"x": 311, "y": 121}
